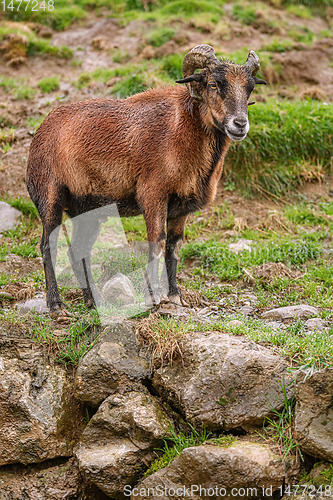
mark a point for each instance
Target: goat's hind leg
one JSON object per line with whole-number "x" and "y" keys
{"x": 85, "y": 232}
{"x": 155, "y": 222}
{"x": 175, "y": 236}
{"x": 51, "y": 215}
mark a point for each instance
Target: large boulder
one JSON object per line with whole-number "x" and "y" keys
{"x": 241, "y": 470}
{"x": 314, "y": 414}
{"x": 114, "y": 364}
{"x": 119, "y": 440}
{"x": 39, "y": 418}
{"x": 47, "y": 481}
{"x": 224, "y": 382}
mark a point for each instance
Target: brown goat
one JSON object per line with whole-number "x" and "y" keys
{"x": 159, "y": 153}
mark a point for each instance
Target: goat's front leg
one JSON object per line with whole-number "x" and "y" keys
{"x": 175, "y": 237}
{"x": 155, "y": 222}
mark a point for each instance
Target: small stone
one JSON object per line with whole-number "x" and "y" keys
{"x": 315, "y": 324}
{"x": 240, "y": 246}
{"x": 246, "y": 310}
{"x": 283, "y": 313}
{"x": 173, "y": 310}
{"x": 276, "y": 325}
{"x": 8, "y": 216}
{"x": 35, "y": 305}
{"x": 235, "y": 323}
{"x": 119, "y": 289}
{"x": 5, "y": 295}
{"x": 60, "y": 333}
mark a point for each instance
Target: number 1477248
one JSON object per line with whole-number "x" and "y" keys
{"x": 32, "y": 5}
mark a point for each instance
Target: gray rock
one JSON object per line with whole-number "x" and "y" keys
{"x": 37, "y": 410}
{"x": 243, "y": 465}
{"x": 114, "y": 364}
{"x": 119, "y": 289}
{"x": 224, "y": 381}
{"x": 8, "y": 216}
{"x": 276, "y": 325}
{"x": 282, "y": 313}
{"x": 314, "y": 414}
{"x": 235, "y": 323}
{"x": 118, "y": 443}
{"x": 246, "y": 310}
{"x": 35, "y": 305}
{"x": 315, "y": 324}
{"x": 46, "y": 482}
{"x": 240, "y": 246}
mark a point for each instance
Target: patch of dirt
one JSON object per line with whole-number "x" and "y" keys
{"x": 15, "y": 265}
{"x": 310, "y": 65}
{"x": 268, "y": 271}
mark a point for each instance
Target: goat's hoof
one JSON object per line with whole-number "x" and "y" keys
{"x": 178, "y": 300}
{"x": 60, "y": 311}
{"x": 175, "y": 299}
{"x": 157, "y": 297}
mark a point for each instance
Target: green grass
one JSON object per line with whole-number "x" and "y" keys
{"x": 288, "y": 143}
{"x": 176, "y": 443}
{"x": 40, "y": 46}
{"x": 279, "y": 429}
{"x": 24, "y": 239}
{"x": 244, "y": 14}
{"x": 159, "y": 36}
{"x": 300, "y": 11}
{"x": 25, "y": 206}
{"x": 33, "y": 123}
{"x": 49, "y": 84}
{"x": 279, "y": 45}
{"x": 17, "y": 88}
{"x": 313, "y": 351}
{"x": 218, "y": 260}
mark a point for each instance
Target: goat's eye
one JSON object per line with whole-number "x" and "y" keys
{"x": 212, "y": 87}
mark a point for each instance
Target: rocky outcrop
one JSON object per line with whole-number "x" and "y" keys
{"x": 224, "y": 382}
{"x": 118, "y": 443}
{"x": 39, "y": 417}
{"x": 114, "y": 364}
{"x": 245, "y": 466}
{"x": 48, "y": 481}
{"x": 314, "y": 414}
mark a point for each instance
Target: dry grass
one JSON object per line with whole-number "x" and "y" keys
{"x": 192, "y": 297}
{"x": 164, "y": 337}
{"x": 20, "y": 291}
{"x": 275, "y": 222}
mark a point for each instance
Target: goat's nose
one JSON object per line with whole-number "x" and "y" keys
{"x": 240, "y": 122}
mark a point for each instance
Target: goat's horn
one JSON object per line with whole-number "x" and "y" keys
{"x": 252, "y": 62}
{"x": 202, "y": 56}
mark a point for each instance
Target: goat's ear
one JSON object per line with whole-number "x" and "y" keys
{"x": 192, "y": 81}
{"x": 197, "y": 77}
{"x": 257, "y": 81}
